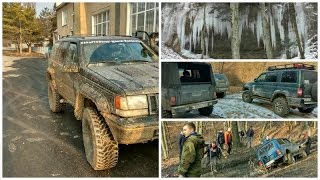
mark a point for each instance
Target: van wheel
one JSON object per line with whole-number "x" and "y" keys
{"x": 100, "y": 147}
{"x": 54, "y": 99}
{"x": 206, "y": 111}
{"x": 291, "y": 159}
{"x": 280, "y": 106}
{"x": 308, "y": 110}
{"x": 221, "y": 94}
{"x": 246, "y": 97}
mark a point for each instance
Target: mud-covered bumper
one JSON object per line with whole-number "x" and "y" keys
{"x": 189, "y": 107}
{"x": 301, "y": 103}
{"x": 133, "y": 130}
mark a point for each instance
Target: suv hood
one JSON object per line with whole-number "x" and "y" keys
{"x": 132, "y": 78}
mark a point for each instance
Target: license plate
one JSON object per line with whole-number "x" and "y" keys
{"x": 269, "y": 163}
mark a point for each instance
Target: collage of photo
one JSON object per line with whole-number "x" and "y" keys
{"x": 159, "y": 89}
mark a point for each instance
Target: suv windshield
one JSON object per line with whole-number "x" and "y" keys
{"x": 309, "y": 77}
{"x": 116, "y": 51}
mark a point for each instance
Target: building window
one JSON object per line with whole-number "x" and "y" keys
{"x": 64, "y": 18}
{"x": 144, "y": 17}
{"x": 101, "y": 23}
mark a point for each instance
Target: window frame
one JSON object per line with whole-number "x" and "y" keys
{"x": 96, "y": 24}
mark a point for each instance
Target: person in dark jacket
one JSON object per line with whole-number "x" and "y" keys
{"x": 250, "y": 134}
{"x": 192, "y": 152}
{"x": 220, "y": 138}
{"x": 212, "y": 155}
{"x": 241, "y": 133}
{"x": 306, "y": 142}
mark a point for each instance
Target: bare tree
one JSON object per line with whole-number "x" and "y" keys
{"x": 235, "y": 39}
{"x": 295, "y": 29}
{"x": 266, "y": 31}
{"x": 235, "y": 135}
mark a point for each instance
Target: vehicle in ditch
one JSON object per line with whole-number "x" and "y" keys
{"x": 277, "y": 151}
{"x": 112, "y": 83}
{"x": 187, "y": 86}
{"x": 285, "y": 86}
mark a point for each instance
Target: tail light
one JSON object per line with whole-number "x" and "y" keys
{"x": 118, "y": 102}
{"x": 278, "y": 152}
{"x": 173, "y": 100}
{"x": 299, "y": 92}
{"x": 260, "y": 163}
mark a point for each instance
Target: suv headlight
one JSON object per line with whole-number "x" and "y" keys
{"x": 131, "y": 102}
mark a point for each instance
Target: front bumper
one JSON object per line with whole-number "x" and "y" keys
{"x": 134, "y": 129}
{"x": 302, "y": 103}
{"x": 188, "y": 107}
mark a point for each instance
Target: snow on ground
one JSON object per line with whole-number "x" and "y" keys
{"x": 232, "y": 106}
{"x": 168, "y": 53}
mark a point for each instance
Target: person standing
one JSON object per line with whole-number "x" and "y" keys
{"x": 228, "y": 140}
{"x": 220, "y": 138}
{"x": 250, "y": 134}
{"x": 212, "y": 155}
{"x": 241, "y": 133}
{"x": 192, "y": 152}
{"x": 307, "y": 142}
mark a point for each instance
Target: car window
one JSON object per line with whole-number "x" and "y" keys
{"x": 289, "y": 77}
{"x": 309, "y": 77}
{"x": 280, "y": 141}
{"x": 220, "y": 77}
{"x": 120, "y": 51}
{"x": 71, "y": 55}
{"x": 194, "y": 74}
{"x": 261, "y": 78}
{"x": 271, "y": 77}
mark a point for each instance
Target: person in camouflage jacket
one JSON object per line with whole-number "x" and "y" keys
{"x": 192, "y": 152}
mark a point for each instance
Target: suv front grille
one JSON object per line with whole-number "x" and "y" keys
{"x": 153, "y": 102}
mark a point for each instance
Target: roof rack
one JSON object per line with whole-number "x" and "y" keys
{"x": 91, "y": 35}
{"x": 292, "y": 66}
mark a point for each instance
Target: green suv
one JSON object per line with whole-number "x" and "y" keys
{"x": 285, "y": 86}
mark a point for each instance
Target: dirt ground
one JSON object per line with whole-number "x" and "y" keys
{"x": 39, "y": 143}
{"x": 237, "y": 164}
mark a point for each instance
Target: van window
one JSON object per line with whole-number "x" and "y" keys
{"x": 194, "y": 73}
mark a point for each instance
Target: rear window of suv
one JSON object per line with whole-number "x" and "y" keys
{"x": 309, "y": 77}
{"x": 266, "y": 148}
{"x": 195, "y": 74}
{"x": 289, "y": 77}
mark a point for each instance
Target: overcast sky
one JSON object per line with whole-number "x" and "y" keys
{"x": 40, "y": 6}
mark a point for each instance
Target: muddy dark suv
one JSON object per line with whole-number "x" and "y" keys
{"x": 290, "y": 85}
{"x": 187, "y": 86}
{"x": 112, "y": 82}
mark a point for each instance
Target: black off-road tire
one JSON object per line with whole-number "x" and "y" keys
{"x": 206, "y": 111}
{"x": 291, "y": 159}
{"x": 220, "y": 94}
{"x": 309, "y": 110}
{"x": 314, "y": 92}
{"x": 100, "y": 147}
{"x": 246, "y": 97}
{"x": 280, "y": 106}
{"x": 54, "y": 99}
{"x": 166, "y": 114}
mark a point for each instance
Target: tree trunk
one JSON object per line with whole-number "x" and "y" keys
{"x": 285, "y": 25}
{"x": 29, "y": 49}
{"x": 164, "y": 145}
{"x": 262, "y": 134}
{"x": 235, "y": 39}
{"x": 235, "y": 134}
{"x": 266, "y": 31}
{"x": 204, "y": 33}
{"x": 295, "y": 29}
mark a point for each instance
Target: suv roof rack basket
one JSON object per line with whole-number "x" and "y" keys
{"x": 292, "y": 66}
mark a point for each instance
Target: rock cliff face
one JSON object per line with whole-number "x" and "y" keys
{"x": 205, "y": 28}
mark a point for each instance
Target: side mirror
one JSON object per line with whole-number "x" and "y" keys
{"x": 71, "y": 68}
